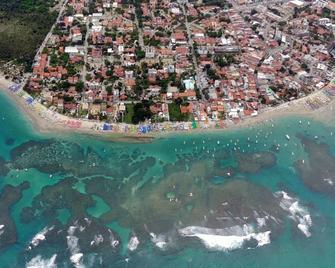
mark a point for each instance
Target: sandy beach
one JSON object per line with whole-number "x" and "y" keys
{"x": 46, "y": 121}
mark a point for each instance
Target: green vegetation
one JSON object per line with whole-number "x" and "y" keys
{"x": 129, "y": 113}
{"x": 23, "y": 26}
{"x": 140, "y": 54}
{"x": 80, "y": 86}
{"x": 224, "y": 60}
{"x": 175, "y": 113}
{"x": 142, "y": 112}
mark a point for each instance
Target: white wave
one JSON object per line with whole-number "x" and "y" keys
{"x": 262, "y": 238}
{"x": 76, "y": 259}
{"x": 133, "y": 243}
{"x": 226, "y": 239}
{"x": 71, "y": 230}
{"x": 38, "y": 262}
{"x": 261, "y": 222}
{"x": 159, "y": 240}
{"x": 114, "y": 242}
{"x": 97, "y": 240}
{"x": 297, "y": 212}
{"x": 329, "y": 181}
{"x": 72, "y": 244}
{"x": 39, "y": 237}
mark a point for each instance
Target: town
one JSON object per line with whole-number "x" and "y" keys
{"x": 157, "y": 61}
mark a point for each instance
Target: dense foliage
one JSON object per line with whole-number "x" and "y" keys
{"x": 23, "y": 26}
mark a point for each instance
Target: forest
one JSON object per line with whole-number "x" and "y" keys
{"x": 23, "y": 26}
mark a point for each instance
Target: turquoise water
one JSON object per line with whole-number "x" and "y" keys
{"x": 88, "y": 198}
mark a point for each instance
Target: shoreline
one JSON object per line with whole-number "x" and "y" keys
{"x": 45, "y": 121}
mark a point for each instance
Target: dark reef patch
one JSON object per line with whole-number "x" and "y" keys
{"x": 3, "y": 167}
{"x": 318, "y": 173}
{"x": 51, "y": 156}
{"x": 58, "y": 196}
{"x": 254, "y": 162}
{"x": 9, "y": 196}
{"x": 9, "y": 141}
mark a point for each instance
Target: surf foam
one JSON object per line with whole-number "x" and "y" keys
{"x": 297, "y": 212}
{"x": 159, "y": 240}
{"x": 226, "y": 239}
{"x": 133, "y": 243}
{"x": 2, "y": 229}
{"x": 39, "y": 237}
{"x": 39, "y": 262}
{"x": 72, "y": 244}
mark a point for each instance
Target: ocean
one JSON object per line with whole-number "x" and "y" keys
{"x": 261, "y": 196}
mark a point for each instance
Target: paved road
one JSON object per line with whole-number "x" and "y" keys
{"x": 140, "y": 33}
{"x": 84, "y": 72}
{"x": 254, "y": 5}
{"x": 45, "y": 41}
{"x": 194, "y": 58}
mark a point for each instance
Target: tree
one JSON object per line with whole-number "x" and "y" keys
{"x": 109, "y": 89}
{"x": 80, "y": 86}
{"x": 212, "y": 74}
{"x": 142, "y": 112}
{"x": 88, "y": 77}
{"x": 140, "y": 54}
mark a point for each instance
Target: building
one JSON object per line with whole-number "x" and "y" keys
{"x": 331, "y": 50}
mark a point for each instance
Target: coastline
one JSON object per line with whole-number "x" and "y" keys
{"x": 45, "y": 121}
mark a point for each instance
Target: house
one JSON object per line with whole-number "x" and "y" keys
{"x": 331, "y": 50}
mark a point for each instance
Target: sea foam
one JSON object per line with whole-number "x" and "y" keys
{"x": 2, "y": 229}
{"x": 226, "y": 239}
{"x": 38, "y": 262}
{"x": 72, "y": 244}
{"x": 40, "y": 236}
{"x": 159, "y": 240}
{"x": 297, "y": 212}
{"x": 133, "y": 243}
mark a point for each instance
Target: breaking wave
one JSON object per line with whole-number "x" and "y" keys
{"x": 2, "y": 229}
{"x": 297, "y": 212}
{"x": 133, "y": 243}
{"x": 159, "y": 240}
{"x": 72, "y": 243}
{"x": 226, "y": 239}
{"x": 39, "y": 237}
{"x": 38, "y": 262}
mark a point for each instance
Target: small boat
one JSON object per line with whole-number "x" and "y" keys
{"x": 287, "y": 137}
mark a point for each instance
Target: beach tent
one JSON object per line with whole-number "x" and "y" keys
{"x": 143, "y": 129}
{"x": 29, "y": 100}
{"x": 106, "y": 127}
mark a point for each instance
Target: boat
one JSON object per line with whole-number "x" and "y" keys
{"x": 287, "y": 137}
